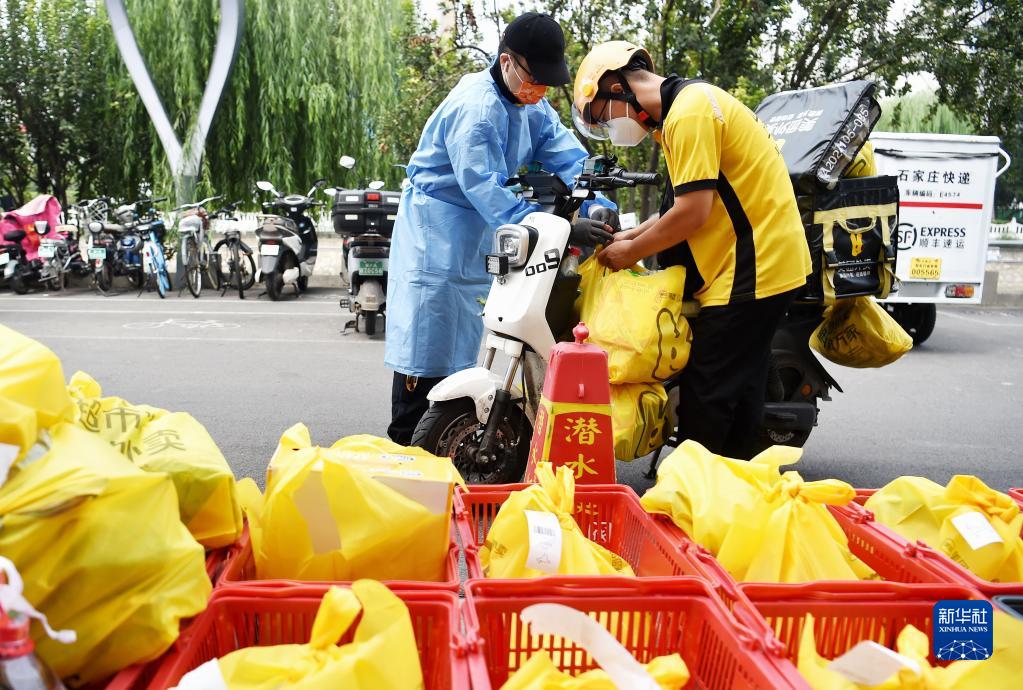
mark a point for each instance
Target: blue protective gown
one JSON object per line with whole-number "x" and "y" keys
{"x": 437, "y": 278}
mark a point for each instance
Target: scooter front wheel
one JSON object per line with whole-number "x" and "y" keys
{"x": 451, "y": 429}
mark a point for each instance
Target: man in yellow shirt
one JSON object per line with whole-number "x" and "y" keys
{"x": 729, "y": 216}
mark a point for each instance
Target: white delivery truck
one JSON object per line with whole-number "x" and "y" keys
{"x": 946, "y": 199}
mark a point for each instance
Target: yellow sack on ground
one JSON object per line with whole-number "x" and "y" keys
{"x": 859, "y": 333}
{"x": 974, "y": 525}
{"x": 534, "y": 534}
{"x": 636, "y": 316}
{"x": 102, "y": 552}
{"x": 363, "y": 508}
{"x": 999, "y": 672}
{"x": 381, "y": 656}
{"x": 761, "y": 524}
{"x": 639, "y": 417}
{"x": 173, "y": 442}
{"x": 31, "y": 374}
{"x": 541, "y": 673}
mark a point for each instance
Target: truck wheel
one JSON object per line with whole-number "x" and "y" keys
{"x": 916, "y": 319}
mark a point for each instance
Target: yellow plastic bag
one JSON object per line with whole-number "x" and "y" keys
{"x": 919, "y": 509}
{"x": 639, "y": 417}
{"x": 381, "y": 656}
{"x": 999, "y": 672}
{"x": 636, "y": 316}
{"x": 568, "y": 633}
{"x": 102, "y": 552}
{"x": 31, "y": 375}
{"x": 864, "y": 165}
{"x": 859, "y": 333}
{"x": 534, "y": 534}
{"x": 363, "y": 508}
{"x": 761, "y": 524}
{"x": 541, "y": 673}
{"x": 173, "y": 442}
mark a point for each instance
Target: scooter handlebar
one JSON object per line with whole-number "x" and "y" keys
{"x": 642, "y": 178}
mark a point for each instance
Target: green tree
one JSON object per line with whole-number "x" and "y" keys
{"x": 51, "y": 95}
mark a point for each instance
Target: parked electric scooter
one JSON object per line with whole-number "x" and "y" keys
{"x": 482, "y": 419}
{"x": 35, "y": 255}
{"x": 287, "y": 242}
{"x": 365, "y": 221}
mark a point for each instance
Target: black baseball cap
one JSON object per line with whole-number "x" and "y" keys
{"x": 540, "y": 40}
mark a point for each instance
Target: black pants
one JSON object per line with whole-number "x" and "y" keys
{"x": 722, "y": 388}
{"x": 408, "y": 405}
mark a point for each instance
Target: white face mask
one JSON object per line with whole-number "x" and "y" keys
{"x": 624, "y": 131}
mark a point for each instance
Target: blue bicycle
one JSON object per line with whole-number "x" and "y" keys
{"x": 151, "y": 228}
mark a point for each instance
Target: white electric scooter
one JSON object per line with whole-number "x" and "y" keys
{"x": 478, "y": 416}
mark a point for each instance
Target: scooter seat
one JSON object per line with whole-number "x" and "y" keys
{"x": 14, "y": 235}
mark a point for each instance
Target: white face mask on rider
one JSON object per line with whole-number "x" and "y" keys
{"x": 624, "y": 131}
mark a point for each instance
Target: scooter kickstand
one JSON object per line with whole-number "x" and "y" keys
{"x": 652, "y": 472}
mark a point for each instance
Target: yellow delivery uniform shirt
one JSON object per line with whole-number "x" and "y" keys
{"x": 752, "y": 245}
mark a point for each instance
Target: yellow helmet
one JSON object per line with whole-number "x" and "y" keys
{"x": 604, "y": 58}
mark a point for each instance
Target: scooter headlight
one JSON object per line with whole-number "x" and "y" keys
{"x": 512, "y": 241}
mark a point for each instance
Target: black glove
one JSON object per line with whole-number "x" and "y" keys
{"x": 606, "y": 216}
{"x": 587, "y": 232}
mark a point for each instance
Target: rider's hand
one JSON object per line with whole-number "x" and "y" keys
{"x": 607, "y": 216}
{"x": 587, "y": 232}
{"x": 618, "y": 255}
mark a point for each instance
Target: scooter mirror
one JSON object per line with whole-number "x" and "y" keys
{"x": 41, "y": 227}
{"x": 376, "y": 184}
{"x": 330, "y": 191}
{"x": 347, "y": 162}
{"x": 265, "y": 186}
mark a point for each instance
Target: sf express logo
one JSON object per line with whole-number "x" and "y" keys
{"x": 551, "y": 261}
{"x": 909, "y": 235}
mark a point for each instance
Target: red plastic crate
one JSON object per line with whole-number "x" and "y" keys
{"x": 608, "y": 514}
{"x": 1017, "y": 495}
{"x": 241, "y": 570}
{"x": 846, "y": 613}
{"x": 945, "y": 566}
{"x": 239, "y": 617}
{"x": 652, "y": 617}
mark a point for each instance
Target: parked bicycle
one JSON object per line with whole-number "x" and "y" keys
{"x": 233, "y": 254}
{"x": 196, "y": 251}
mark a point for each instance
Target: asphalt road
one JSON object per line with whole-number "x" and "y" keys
{"x": 249, "y": 369}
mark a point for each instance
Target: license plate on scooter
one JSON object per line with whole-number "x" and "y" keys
{"x": 270, "y": 249}
{"x": 47, "y": 251}
{"x": 4, "y": 258}
{"x": 98, "y": 254}
{"x": 371, "y": 268}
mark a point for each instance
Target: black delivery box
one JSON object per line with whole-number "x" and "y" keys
{"x": 821, "y": 130}
{"x": 358, "y": 211}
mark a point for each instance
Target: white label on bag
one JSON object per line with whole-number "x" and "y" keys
{"x": 8, "y": 453}
{"x": 544, "y": 542}
{"x": 976, "y": 529}
{"x": 398, "y": 458}
{"x": 869, "y": 663}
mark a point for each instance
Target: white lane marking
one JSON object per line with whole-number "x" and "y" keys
{"x": 180, "y": 323}
{"x": 995, "y": 324}
{"x": 150, "y": 312}
{"x": 289, "y": 341}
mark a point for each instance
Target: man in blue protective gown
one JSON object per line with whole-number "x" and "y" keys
{"x": 490, "y": 125}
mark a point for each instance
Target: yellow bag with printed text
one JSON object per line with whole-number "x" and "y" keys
{"x": 919, "y": 509}
{"x": 859, "y": 333}
{"x": 382, "y": 655}
{"x": 98, "y": 542}
{"x": 541, "y": 673}
{"x": 636, "y": 316}
{"x": 534, "y": 534}
{"x": 999, "y": 672}
{"x": 173, "y": 442}
{"x": 639, "y": 418}
{"x": 363, "y": 508}
{"x": 761, "y": 524}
